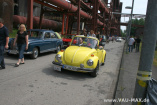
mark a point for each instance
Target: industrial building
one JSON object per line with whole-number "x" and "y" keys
{"x": 68, "y": 16}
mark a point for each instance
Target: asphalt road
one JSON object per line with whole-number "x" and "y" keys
{"x": 36, "y": 83}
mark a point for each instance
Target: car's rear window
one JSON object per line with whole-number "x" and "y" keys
{"x": 35, "y": 34}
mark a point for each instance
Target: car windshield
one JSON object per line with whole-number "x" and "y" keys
{"x": 85, "y": 42}
{"x": 35, "y": 34}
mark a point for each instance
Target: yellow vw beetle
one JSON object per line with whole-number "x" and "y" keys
{"x": 83, "y": 55}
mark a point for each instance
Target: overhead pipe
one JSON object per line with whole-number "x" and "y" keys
{"x": 103, "y": 6}
{"x": 71, "y": 8}
{"x": 85, "y": 5}
{"x": 66, "y": 5}
{"x": 46, "y": 24}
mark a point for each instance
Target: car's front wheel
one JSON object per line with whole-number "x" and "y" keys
{"x": 95, "y": 72}
{"x": 8, "y": 54}
{"x": 35, "y": 53}
{"x": 104, "y": 61}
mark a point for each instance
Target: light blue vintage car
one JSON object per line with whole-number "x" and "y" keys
{"x": 40, "y": 41}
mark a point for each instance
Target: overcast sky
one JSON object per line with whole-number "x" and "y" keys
{"x": 140, "y": 7}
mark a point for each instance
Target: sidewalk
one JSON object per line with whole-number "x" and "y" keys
{"x": 127, "y": 76}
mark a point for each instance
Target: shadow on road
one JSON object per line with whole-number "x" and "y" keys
{"x": 70, "y": 75}
{"x": 27, "y": 57}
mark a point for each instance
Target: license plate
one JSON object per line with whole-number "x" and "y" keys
{"x": 57, "y": 68}
{"x": 70, "y": 68}
{"x": 13, "y": 51}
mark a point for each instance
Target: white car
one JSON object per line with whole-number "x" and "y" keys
{"x": 119, "y": 39}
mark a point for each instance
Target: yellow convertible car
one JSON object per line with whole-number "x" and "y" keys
{"x": 83, "y": 55}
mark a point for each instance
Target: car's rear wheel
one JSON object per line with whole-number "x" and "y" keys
{"x": 35, "y": 53}
{"x": 8, "y": 54}
{"x": 58, "y": 49}
{"x": 95, "y": 72}
{"x": 104, "y": 61}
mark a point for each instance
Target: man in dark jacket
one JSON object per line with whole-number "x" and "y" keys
{"x": 138, "y": 41}
{"x": 98, "y": 35}
{"x": 4, "y": 40}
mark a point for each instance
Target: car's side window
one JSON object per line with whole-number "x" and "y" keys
{"x": 53, "y": 35}
{"x": 47, "y": 35}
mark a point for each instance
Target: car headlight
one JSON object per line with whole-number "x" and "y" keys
{"x": 90, "y": 62}
{"x": 58, "y": 57}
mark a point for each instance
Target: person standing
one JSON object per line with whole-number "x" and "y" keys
{"x": 84, "y": 32}
{"x": 22, "y": 43}
{"x": 98, "y": 35}
{"x": 107, "y": 38}
{"x": 113, "y": 38}
{"x": 134, "y": 45}
{"x": 4, "y": 40}
{"x": 138, "y": 41}
{"x": 130, "y": 43}
{"x": 92, "y": 34}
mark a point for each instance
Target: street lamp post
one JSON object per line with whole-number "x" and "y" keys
{"x": 129, "y": 24}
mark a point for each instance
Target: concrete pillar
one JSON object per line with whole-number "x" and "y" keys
{"x": 6, "y": 13}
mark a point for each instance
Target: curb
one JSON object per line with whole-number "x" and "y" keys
{"x": 114, "y": 89}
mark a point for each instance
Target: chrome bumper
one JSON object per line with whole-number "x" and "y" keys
{"x": 73, "y": 68}
{"x": 16, "y": 52}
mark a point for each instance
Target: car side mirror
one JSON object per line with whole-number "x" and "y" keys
{"x": 101, "y": 47}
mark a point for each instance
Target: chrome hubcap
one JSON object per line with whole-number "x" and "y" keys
{"x": 35, "y": 53}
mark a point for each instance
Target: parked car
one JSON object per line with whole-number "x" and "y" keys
{"x": 83, "y": 55}
{"x": 123, "y": 38}
{"x": 119, "y": 39}
{"x": 40, "y": 41}
{"x": 66, "y": 40}
{"x": 102, "y": 40}
{"x": 58, "y": 35}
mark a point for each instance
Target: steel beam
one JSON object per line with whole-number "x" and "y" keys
{"x": 63, "y": 20}
{"x": 78, "y": 17}
{"x": 71, "y": 8}
{"x": 47, "y": 5}
{"x": 67, "y": 22}
{"x": 30, "y": 14}
{"x": 41, "y": 16}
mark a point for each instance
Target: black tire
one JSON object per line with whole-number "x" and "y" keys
{"x": 35, "y": 53}
{"x": 8, "y": 54}
{"x": 95, "y": 72}
{"x": 58, "y": 49}
{"x": 104, "y": 61}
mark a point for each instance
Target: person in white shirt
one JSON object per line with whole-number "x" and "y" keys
{"x": 92, "y": 34}
{"x": 130, "y": 43}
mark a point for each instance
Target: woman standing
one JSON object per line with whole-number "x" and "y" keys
{"x": 22, "y": 43}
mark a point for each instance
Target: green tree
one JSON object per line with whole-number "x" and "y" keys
{"x": 137, "y": 22}
{"x": 123, "y": 33}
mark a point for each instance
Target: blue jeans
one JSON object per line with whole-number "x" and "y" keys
{"x": 21, "y": 49}
{"x": 130, "y": 48}
{"x": 2, "y": 56}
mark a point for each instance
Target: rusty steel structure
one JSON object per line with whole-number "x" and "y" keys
{"x": 92, "y": 14}
{"x": 65, "y": 16}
